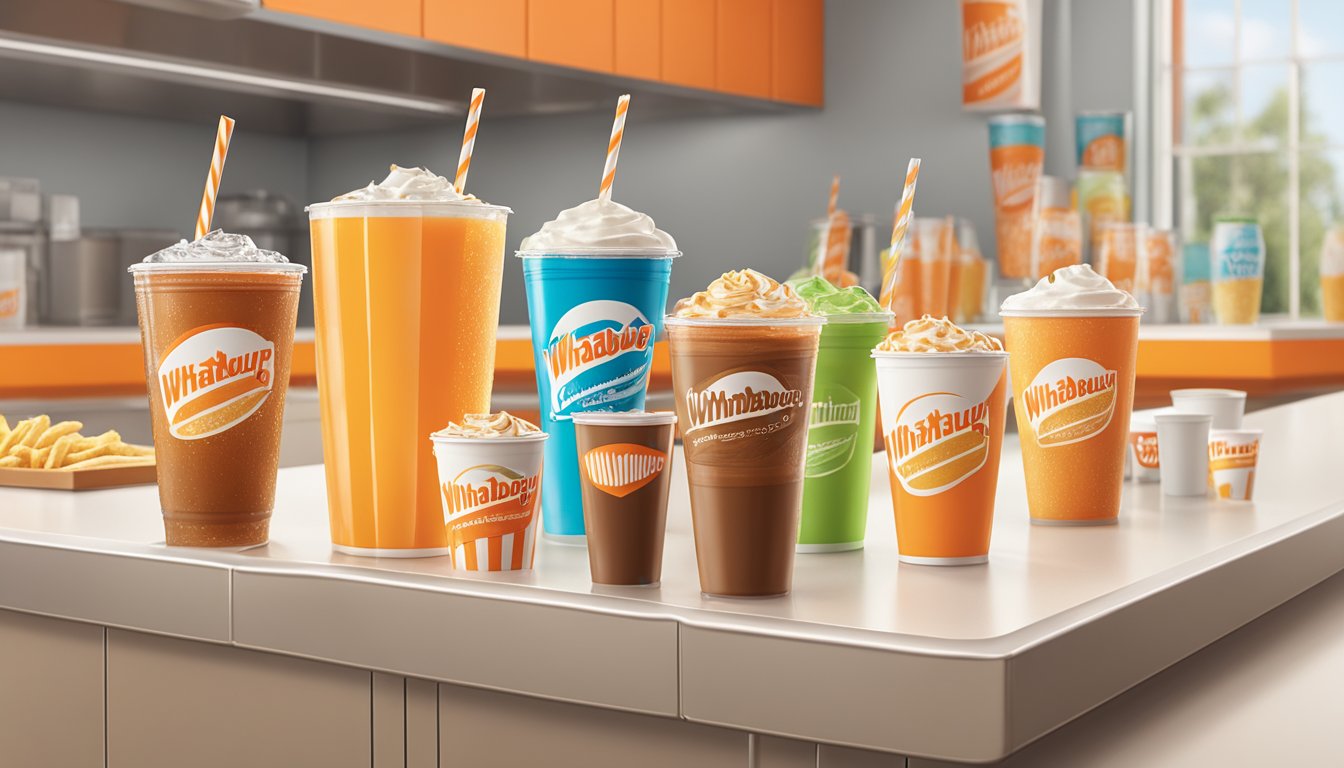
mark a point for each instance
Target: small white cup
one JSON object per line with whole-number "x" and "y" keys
{"x": 1184, "y": 440}
{"x": 1226, "y": 406}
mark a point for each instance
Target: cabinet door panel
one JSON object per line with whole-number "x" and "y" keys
{"x": 744, "y": 35}
{"x": 798, "y": 51}
{"x": 688, "y": 43}
{"x": 572, "y": 33}
{"x": 639, "y": 38}
{"x": 51, "y": 692}
{"x": 399, "y": 16}
{"x": 175, "y": 703}
{"x": 497, "y": 26}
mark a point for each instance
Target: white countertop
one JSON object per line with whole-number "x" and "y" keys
{"x": 1049, "y": 599}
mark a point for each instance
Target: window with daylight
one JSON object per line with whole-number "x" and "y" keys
{"x": 1256, "y": 93}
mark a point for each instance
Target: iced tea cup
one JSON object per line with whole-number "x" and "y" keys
{"x": 625, "y": 468}
{"x": 943, "y": 416}
{"x": 1073, "y": 389}
{"x": 218, "y": 339}
{"x": 1233, "y": 454}
{"x": 490, "y": 488}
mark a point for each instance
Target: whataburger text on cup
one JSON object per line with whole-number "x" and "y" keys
{"x": 943, "y": 395}
{"x": 1233, "y": 454}
{"x": 490, "y": 470}
{"x": 1072, "y": 342}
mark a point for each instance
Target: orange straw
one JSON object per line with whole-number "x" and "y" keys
{"x": 469, "y": 138}
{"x": 614, "y": 148}
{"x": 905, "y": 212}
{"x": 835, "y": 196}
{"x": 207, "y": 212}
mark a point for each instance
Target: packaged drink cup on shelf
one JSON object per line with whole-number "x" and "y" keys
{"x": 1196, "y": 291}
{"x": 1072, "y": 343}
{"x": 933, "y": 253}
{"x": 744, "y": 354}
{"x": 944, "y": 403}
{"x": 597, "y": 278}
{"x": 1103, "y": 140}
{"x": 1001, "y": 54}
{"x": 842, "y": 418}
{"x": 13, "y": 288}
{"x": 1332, "y": 275}
{"x": 953, "y": 248}
{"x": 974, "y": 283}
{"x": 490, "y": 469}
{"x": 1158, "y": 266}
{"x": 1056, "y": 228}
{"x": 406, "y": 279}
{"x": 1120, "y": 254}
{"x": 1101, "y": 199}
{"x": 1233, "y": 454}
{"x": 217, "y": 320}
{"x": 1016, "y": 157}
{"x": 1238, "y": 265}
{"x": 625, "y": 466}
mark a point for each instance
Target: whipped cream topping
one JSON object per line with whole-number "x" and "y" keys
{"x": 488, "y": 426}
{"x": 1332, "y": 253}
{"x": 930, "y": 334}
{"x": 1074, "y": 287}
{"x": 743, "y": 293}
{"x": 216, "y": 246}
{"x": 599, "y": 224}
{"x": 415, "y": 184}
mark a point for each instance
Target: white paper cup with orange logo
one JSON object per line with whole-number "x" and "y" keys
{"x": 1233, "y": 454}
{"x": 943, "y": 416}
{"x": 625, "y": 468}
{"x": 1143, "y": 458}
{"x": 490, "y": 488}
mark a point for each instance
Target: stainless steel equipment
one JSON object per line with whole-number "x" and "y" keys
{"x": 133, "y": 246}
{"x": 29, "y": 238}
{"x": 273, "y": 223}
{"x": 81, "y": 284}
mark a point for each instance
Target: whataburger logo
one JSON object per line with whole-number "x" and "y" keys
{"x": 1226, "y": 455}
{"x": 213, "y": 377}
{"x": 1070, "y": 400}
{"x": 1145, "y": 449}
{"x": 611, "y": 339}
{"x": 620, "y": 469}
{"x": 738, "y": 396}
{"x": 832, "y": 429}
{"x": 488, "y": 500}
{"x": 938, "y": 440}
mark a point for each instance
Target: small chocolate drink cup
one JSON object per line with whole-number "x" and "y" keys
{"x": 625, "y": 462}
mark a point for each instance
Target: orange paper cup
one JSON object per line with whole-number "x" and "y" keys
{"x": 1073, "y": 390}
{"x": 942, "y": 420}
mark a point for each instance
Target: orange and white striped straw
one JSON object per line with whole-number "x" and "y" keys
{"x": 207, "y": 212}
{"x": 905, "y": 213}
{"x": 614, "y": 148}
{"x": 469, "y": 139}
{"x": 835, "y": 196}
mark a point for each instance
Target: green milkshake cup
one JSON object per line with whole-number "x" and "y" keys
{"x": 842, "y": 419}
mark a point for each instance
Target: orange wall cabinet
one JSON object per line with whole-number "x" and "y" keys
{"x": 798, "y": 51}
{"x": 639, "y": 37}
{"x": 743, "y": 37}
{"x": 497, "y": 26}
{"x": 572, "y": 33}
{"x": 688, "y": 42}
{"x": 399, "y": 16}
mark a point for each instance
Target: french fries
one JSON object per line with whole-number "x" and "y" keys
{"x": 37, "y": 443}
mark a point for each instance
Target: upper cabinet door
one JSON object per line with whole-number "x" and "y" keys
{"x": 744, "y": 34}
{"x": 689, "y": 42}
{"x": 399, "y": 16}
{"x": 639, "y": 37}
{"x": 572, "y": 33}
{"x": 497, "y": 26}
{"x": 798, "y": 51}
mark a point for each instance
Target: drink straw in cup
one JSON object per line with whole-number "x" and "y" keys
{"x": 614, "y": 148}
{"x": 905, "y": 213}
{"x": 207, "y": 212}
{"x": 469, "y": 138}
{"x": 821, "y": 263}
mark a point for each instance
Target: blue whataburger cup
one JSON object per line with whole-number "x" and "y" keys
{"x": 595, "y": 316}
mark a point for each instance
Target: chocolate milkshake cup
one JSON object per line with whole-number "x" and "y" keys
{"x": 217, "y": 325}
{"x": 625, "y": 460}
{"x": 744, "y": 352}
{"x": 1072, "y": 342}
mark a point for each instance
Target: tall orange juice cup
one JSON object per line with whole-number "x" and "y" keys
{"x": 943, "y": 413}
{"x": 1072, "y": 342}
{"x": 1056, "y": 229}
{"x": 1016, "y": 157}
{"x": 953, "y": 269}
{"x": 406, "y": 278}
{"x": 935, "y": 265}
{"x": 1120, "y": 252}
{"x": 974, "y": 278}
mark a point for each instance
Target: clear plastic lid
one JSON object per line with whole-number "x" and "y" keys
{"x": 625, "y": 418}
{"x": 746, "y": 322}
{"x": 242, "y": 267}
{"x": 599, "y": 253}
{"x": 406, "y": 209}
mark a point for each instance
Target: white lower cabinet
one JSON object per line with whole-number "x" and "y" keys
{"x": 51, "y": 692}
{"x": 173, "y": 703}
